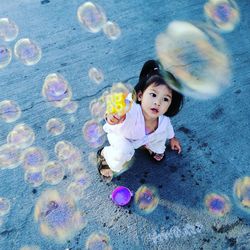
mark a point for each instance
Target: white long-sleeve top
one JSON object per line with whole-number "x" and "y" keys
{"x": 133, "y": 129}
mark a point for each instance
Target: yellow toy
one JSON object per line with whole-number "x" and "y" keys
{"x": 115, "y": 104}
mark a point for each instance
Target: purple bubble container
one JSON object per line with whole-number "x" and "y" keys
{"x": 121, "y": 196}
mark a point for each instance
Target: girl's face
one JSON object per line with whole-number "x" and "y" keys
{"x": 155, "y": 100}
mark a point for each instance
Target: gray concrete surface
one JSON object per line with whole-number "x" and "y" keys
{"x": 215, "y": 133}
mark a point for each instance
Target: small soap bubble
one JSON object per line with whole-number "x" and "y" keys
{"x": 112, "y": 30}
{"x": 56, "y": 90}
{"x": 8, "y": 29}
{"x": 58, "y": 216}
{"x": 30, "y": 248}
{"x": 22, "y": 136}
{"x": 93, "y": 133}
{"x": 55, "y": 126}
{"x": 34, "y": 177}
{"x": 217, "y": 205}
{"x": 196, "y": 56}
{"x": 146, "y": 199}
{"x": 53, "y": 172}
{"x": 98, "y": 240}
{"x": 34, "y": 157}
{"x": 96, "y": 75}
{"x": 222, "y": 14}
{"x": 71, "y": 107}
{"x": 5, "y": 56}
{"x": 91, "y": 16}
{"x": 27, "y": 51}
{"x": 9, "y": 111}
{"x": 4, "y": 206}
{"x": 10, "y": 156}
{"x": 242, "y": 192}
{"x": 97, "y": 108}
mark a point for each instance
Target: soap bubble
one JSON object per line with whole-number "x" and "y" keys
{"x": 55, "y": 126}
{"x": 5, "y": 56}
{"x": 27, "y": 51}
{"x": 93, "y": 133}
{"x": 98, "y": 240}
{"x": 146, "y": 199}
{"x": 71, "y": 107}
{"x": 95, "y": 75}
{"x": 9, "y": 111}
{"x": 34, "y": 157}
{"x": 8, "y": 29}
{"x": 4, "y": 206}
{"x": 196, "y": 56}
{"x": 242, "y": 192}
{"x": 34, "y": 177}
{"x": 91, "y": 16}
{"x": 54, "y": 172}
{"x": 222, "y": 14}
{"x": 22, "y": 136}
{"x": 10, "y": 156}
{"x": 112, "y": 30}
{"x": 216, "y": 204}
{"x": 58, "y": 216}
{"x": 98, "y": 108}
{"x": 56, "y": 90}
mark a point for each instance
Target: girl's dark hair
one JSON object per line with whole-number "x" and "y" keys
{"x": 151, "y": 74}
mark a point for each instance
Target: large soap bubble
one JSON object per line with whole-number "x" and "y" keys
{"x": 196, "y": 56}
{"x": 9, "y": 111}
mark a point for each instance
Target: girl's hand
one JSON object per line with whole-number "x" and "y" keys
{"x": 175, "y": 145}
{"x": 113, "y": 119}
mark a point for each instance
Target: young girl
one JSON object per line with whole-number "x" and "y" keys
{"x": 146, "y": 124}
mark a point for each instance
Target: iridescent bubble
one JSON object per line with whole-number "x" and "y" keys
{"x": 9, "y": 111}
{"x": 27, "y": 51}
{"x": 242, "y": 192}
{"x": 146, "y": 199}
{"x": 93, "y": 133}
{"x": 96, "y": 75}
{"x": 30, "y": 248}
{"x": 112, "y": 30}
{"x": 54, "y": 172}
{"x": 223, "y": 14}
{"x": 4, "y": 206}
{"x": 58, "y": 216}
{"x": 71, "y": 107}
{"x": 34, "y": 177}
{"x": 91, "y": 16}
{"x": 55, "y": 126}
{"x": 34, "y": 157}
{"x": 216, "y": 204}
{"x": 10, "y": 156}
{"x": 8, "y": 29}
{"x": 196, "y": 56}
{"x": 22, "y": 136}
{"x": 56, "y": 90}
{"x": 98, "y": 240}
{"x": 5, "y": 56}
{"x": 68, "y": 154}
{"x": 97, "y": 108}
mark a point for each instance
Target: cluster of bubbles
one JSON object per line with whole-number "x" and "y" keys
{"x": 94, "y": 19}
{"x": 26, "y": 51}
{"x": 9, "y": 111}
{"x": 222, "y": 14}
{"x": 55, "y": 126}
{"x": 98, "y": 240}
{"x": 146, "y": 199}
{"x": 195, "y": 53}
{"x": 242, "y": 192}
{"x": 58, "y": 216}
{"x": 217, "y": 204}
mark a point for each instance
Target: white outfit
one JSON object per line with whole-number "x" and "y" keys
{"x": 129, "y": 135}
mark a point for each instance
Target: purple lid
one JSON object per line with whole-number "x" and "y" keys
{"x": 121, "y": 196}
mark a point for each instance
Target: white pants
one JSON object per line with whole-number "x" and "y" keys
{"x": 120, "y": 151}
